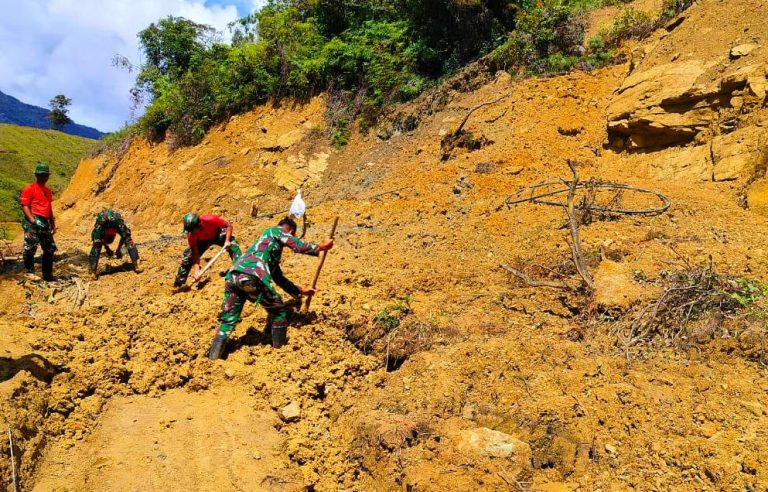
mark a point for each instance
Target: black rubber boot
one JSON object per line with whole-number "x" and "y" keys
{"x": 133, "y": 253}
{"x": 48, "y": 267}
{"x": 217, "y": 347}
{"x": 279, "y": 336}
{"x": 29, "y": 262}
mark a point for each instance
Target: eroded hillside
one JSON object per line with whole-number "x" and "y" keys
{"x": 482, "y": 383}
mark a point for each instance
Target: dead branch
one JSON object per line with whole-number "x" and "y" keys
{"x": 497, "y": 118}
{"x": 529, "y": 282}
{"x": 213, "y": 160}
{"x": 466, "y": 118}
{"x": 82, "y": 292}
{"x": 575, "y": 244}
{"x": 666, "y": 202}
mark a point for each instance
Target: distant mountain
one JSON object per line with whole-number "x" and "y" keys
{"x": 15, "y": 112}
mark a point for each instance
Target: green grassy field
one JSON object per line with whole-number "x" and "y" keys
{"x": 21, "y": 148}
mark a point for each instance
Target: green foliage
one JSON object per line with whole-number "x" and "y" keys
{"x": 390, "y": 317}
{"x": 59, "y": 108}
{"x": 21, "y": 148}
{"x": 113, "y": 141}
{"x": 747, "y": 292}
{"x": 365, "y": 53}
{"x": 546, "y": 40}
{"x": 629, "y": 24}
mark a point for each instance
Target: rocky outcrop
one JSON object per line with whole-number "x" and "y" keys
{"x": 679, "y": 102}
{"x": 740, "y": 155}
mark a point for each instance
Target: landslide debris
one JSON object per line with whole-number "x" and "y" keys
{"x": 495, "y": 385}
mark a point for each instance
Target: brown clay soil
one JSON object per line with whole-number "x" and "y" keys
{"x": 105, "y": 384}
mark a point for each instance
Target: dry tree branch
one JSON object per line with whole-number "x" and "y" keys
{"x": 466, "y": 118}
{"x": 575, "y": 244}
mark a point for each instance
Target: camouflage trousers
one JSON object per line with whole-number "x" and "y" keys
{"x": 34, "y": 236}
{"x": 95, "y": 254}
{"x": 202, "y": 247}
{"x": 241, "y": 287}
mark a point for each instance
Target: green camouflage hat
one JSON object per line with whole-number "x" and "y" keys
{"x": 42, "y": 169}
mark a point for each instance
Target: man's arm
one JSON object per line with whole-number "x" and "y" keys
{"x": 299, "y": 246}
{"x": 228, "y": 236}
{"x": 28, "y": 213}
{"x": 284, "y": 283}
{"x": 195, "y": 257}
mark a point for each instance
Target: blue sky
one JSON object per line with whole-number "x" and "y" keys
{"x": 244, "y": 7}
{"x": 49, "y": 47}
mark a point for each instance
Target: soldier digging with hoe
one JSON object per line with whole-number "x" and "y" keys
{"x": 203, "y": 231}
{"x": 251, "y": 277}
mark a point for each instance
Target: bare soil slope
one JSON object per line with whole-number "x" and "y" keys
{"x": 491, "y": 385}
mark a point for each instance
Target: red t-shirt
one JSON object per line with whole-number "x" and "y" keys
{"x": 38, "y": 198}
{"x": 209, "y": 228}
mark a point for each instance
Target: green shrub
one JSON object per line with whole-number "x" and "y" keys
{"x": 390, "y": 317}
{"x": 630, "y": 24}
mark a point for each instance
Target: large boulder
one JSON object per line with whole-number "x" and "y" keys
{"x": 615, "y": 286}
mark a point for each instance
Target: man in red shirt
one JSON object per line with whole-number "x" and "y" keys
{"x": 38, "y": 222}
{"x": 203, "y": 231}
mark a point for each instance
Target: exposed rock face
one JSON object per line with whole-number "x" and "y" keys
{"x": 700, "y": 88}
{"x": 658, "y": 107}
{"x": 674, "y": 103}
{"x": 734, "y": 156}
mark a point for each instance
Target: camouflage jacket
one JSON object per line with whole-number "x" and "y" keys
{"x": 262, "y": 259}
{"x": 109, "y": 219}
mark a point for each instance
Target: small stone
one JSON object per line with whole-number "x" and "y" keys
{"x": 754, "y": 407}
{"x": 708, "y": 429}
{"x": 228, "y": 373}
{"x": 742, "y": 50}
{"x": 610, "y": 449}
{"x": 290, "y": 413}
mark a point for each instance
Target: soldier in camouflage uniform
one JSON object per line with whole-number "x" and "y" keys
{"x": 251, "y": 277}
{"x": 38, "y": 222}
{"x": 108, "y": 224}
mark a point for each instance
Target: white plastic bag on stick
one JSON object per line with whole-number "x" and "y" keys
{"x": 298, "y": 207}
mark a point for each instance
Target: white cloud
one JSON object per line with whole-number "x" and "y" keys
{"x": 66, "y": 46}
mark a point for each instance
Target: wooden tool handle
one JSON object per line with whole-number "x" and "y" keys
{"x": 320, "y": 266}
{"x": 210, "y": 263}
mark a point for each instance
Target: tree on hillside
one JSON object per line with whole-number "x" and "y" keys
{"x": 59, "y": 108}
{"x": 170, "y": 48}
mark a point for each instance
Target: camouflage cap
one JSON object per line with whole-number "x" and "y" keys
{"x": 42, "y": 169}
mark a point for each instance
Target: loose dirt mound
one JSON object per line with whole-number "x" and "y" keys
{"x": 491, "y": 386}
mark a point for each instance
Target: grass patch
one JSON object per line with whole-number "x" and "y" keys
{"x": 21, "y": 148}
